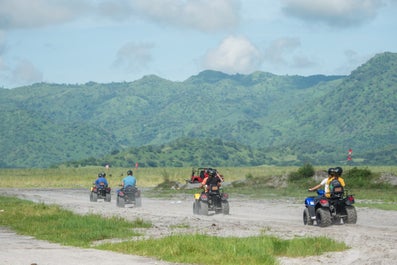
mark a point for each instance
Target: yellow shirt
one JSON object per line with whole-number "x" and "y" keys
{"x": 326, "y": 188}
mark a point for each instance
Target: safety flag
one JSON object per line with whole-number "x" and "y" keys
{"x": 349, "y": 154}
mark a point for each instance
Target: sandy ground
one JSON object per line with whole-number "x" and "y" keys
{"x": 372, "y": 240}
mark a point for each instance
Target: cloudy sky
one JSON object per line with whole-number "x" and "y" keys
{"x": 77, "y": 41}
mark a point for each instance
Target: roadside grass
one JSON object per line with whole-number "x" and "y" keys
{"x": 54, "y": 224}
{"x": 205, "y": 249}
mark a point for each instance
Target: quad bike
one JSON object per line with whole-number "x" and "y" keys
{"x": 213, "y": 200}
{"x": 100, "y": 192}
{"x": 326, "y": 211}
{"x": 129, "y": 195}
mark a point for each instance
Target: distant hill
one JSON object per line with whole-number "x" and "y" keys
{"x": 293, "y": 119}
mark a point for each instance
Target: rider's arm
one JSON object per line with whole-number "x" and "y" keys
{"x": 315, "y": 187}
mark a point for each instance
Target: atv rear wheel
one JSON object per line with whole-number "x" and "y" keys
{"x": 307, "y": 220}
{"x": 351, "y": 215}
{"x": 323, "y": 217}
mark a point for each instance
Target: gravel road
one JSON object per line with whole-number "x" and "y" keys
{"x": 372, "y": 240}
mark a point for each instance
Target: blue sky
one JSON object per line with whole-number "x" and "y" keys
{"x": 78, "y": 41}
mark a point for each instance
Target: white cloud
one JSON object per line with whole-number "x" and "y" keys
{"x": 234, "y": 55}
{"x": 204, "y": 15}
{"x": 338, "y": 13}
{"x": 38, "y": 13}
{"x": 277, "y": 50}
{"x": 134, "y": 56}
{"x": 24, "y": 73}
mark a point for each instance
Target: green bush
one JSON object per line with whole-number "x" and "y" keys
{"x": 359, "y": 178}
{"x": 306, "y": 171}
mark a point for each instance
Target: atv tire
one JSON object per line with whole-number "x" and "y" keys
{"x": 323, "y": 217}
{"x": 351, "y": 215}
{"x": 307, "y": 220}
{"x": 108, "y": 197}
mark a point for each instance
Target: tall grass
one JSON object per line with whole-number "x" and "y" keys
{"x": 50, "y": 222}
{"x": 205, "y": 249}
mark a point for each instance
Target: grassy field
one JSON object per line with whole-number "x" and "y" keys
{"x": 367, "y": 195}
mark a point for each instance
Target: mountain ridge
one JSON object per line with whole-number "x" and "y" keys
{"x": 320, "y": 116}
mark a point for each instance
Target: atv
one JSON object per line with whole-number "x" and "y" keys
{"x": 326, "y": 211}
{"x": 213, "y": 200}
{"x": 100, "y": 192}
{"x": 129, "y": 195}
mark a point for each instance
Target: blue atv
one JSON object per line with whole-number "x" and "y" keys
{"x": 326, "y": 211}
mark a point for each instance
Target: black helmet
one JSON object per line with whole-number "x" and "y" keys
{"x": 104, "y": 174}
{"x": 331, "y": 171}
{"x": 211, "y": 172}
{"x": 338, "y": 171}
{"x": 100, "y": 175}
{"x": 129, "y": 172}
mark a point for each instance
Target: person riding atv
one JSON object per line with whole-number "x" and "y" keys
{"x": 212, "y": 179}
{"x": 334, "y": 176}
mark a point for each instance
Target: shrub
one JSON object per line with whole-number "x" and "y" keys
{"x": 306, "y": 171}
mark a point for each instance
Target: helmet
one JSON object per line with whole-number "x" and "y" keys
{"x": 103, "y": 174}
{"x": 129, "y": 172}
{"x": 211, "y": 172}
{"x": 100, "y": 175}
{"x": 338, "y": 171}
{"x": 331, "y": 171}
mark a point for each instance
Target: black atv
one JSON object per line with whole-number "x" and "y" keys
{"x": 213, "y": 200}
{"x": 129, "y": 195}
{"x": 100, "y": 192}
{"x": 326, "y": 211}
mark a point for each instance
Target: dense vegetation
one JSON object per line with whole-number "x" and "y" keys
{"x": 260, "y": 118}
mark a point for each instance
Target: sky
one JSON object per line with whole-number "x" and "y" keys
{"x": 104, "y": 41}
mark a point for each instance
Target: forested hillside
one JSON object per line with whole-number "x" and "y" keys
{"x": 287, "y": 119}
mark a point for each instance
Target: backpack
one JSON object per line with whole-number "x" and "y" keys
{"x": 336, "y": 188}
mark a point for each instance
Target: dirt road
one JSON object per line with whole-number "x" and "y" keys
{"x": 372, "y": 239}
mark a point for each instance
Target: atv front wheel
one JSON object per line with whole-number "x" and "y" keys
{"x": 108, "y": 197}
{"x": 307, "y": 220}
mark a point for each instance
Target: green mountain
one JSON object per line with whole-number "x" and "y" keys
{"x": 315, "y": 118}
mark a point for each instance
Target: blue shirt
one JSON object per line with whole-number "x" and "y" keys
{"x": 129, "y": 181}
{"x": 101, "y": 179}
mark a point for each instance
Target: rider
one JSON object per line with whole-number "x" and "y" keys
{"x": 332, "y": 174}
{"x": 101, "y": 179}
{"x": 129, "y": 180}
{"x": 213, "y": 178}
{"x": 325, "y": 182}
